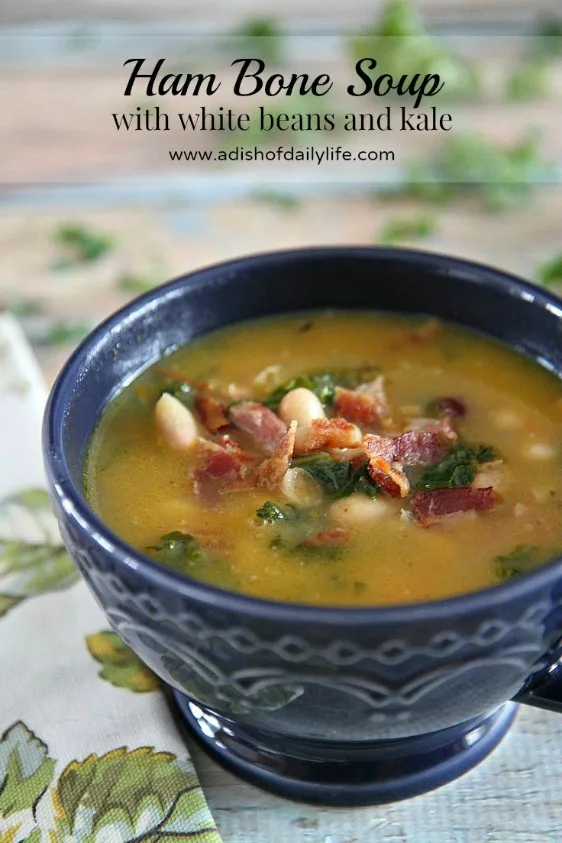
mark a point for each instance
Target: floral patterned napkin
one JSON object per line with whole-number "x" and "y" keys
{"x": 88, "y": 750}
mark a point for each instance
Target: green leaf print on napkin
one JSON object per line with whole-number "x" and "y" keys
{"x": 120, "y": 666}
{"x": 32, "y": 558}
{"x": 138, "y": 795}
{"x": 124, "y": 796}
{"x": 26, "y": 771}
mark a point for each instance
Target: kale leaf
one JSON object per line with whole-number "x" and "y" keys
{"x": 270, "y": 512}
{"x": 458, "y": 469}
{"x": 177, "y": 550}
{"x": 517, "y": 562}
{"x": 323, "y": 384}
{"x": 336, "y": 479}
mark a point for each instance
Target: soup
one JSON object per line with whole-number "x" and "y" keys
{"x": 336, "y": 458}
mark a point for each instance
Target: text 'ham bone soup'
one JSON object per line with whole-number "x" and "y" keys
{"x": 336, "y": 458}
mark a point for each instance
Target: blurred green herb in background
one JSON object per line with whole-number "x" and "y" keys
{"x": 133, "y": 283}
{"x": 260, "y": 38}
{"x": 470, "y": 163}
{"x": 81, "y": 245}
{"x": 408, "y": 229}
{"x": 530, "y": 80}
{"x": 402, "y": 45}
{"x": 23, "y": 307}
{"x": 550, "y": 271}
{"x": 548, "y": 40}
{"x": 285, "y": 201}
{"x": 65, "y": 332}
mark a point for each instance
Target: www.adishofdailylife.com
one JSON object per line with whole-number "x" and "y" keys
{"x": 310, "y": 154}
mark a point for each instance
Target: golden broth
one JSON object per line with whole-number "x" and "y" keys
{"x": 142, "y": 488}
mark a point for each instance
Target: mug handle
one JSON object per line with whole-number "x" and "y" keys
{"x": 545, "y": 692}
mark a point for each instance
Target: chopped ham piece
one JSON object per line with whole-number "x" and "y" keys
{"x": 211, "y": 412}
{"x": 427, "y": 506}
{"x": 225, "y": 440}
{"x": 273, "y": 469}
{"x": 367, "y": 405}
{"x": 328, "y": 538}
{"x": 330, "y": 433}
{"x": 260, "y": 422}
{"x": 221, "y": 468}
{"x": 390, "y": 478}
{"x": 415, "y": 447}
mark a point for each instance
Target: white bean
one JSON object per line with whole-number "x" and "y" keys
{"x": 176, "y": 423}
{"x": 506, "y": 419}
{"x": 539, "y": 451}
{"x": 300, "y": 489}
{"x": 301, "y": 405}
{"x": 357, "y": 510}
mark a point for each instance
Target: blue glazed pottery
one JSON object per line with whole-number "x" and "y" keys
{"x": 342, "y": 706}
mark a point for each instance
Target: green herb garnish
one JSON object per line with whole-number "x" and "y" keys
{"x": 401, "y": 45}
{"x": 131, "y": 283}
{"x": 65, "y": 333}
{"x": 517, "y": 562}
{"x": 529, "y": 81}
{"x": 317, "y": 552}
{"x": 550, "y": 272}
{"x": 458, "y": 469}
{"x": 407, "y": 229}
{"x": 82, "y": 244}
{"x": 286, "y": 201}
{"x": 260, "y": 37}
{"x": 177, "y": 550}
{"x": 549, "y": 38}
{"x": 270, "y": 512}
{"x": 500, "y": 176}
{"x": 23, "y": 307}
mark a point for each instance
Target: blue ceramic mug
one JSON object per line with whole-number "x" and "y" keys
{"x": 343, "y": 706}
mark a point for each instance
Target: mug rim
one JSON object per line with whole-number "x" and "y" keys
{"x": 75, "y": 505}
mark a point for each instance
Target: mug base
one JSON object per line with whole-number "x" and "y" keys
{"x": 342, "y": 775}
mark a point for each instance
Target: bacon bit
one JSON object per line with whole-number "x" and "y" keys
{"x": 211, "y": 412}
{"x": 427, "y": 506}
{"x": 330, "y": 433}
{"x": 367, "y": 405}
{"x": 328, "y": 538}
{"x": 260, "y": 422}
{"x": 273, "y": 469}
{"x": 390, "y": 478}
{"x": 442, "y": 426}
{"x": 410, "y": 448}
